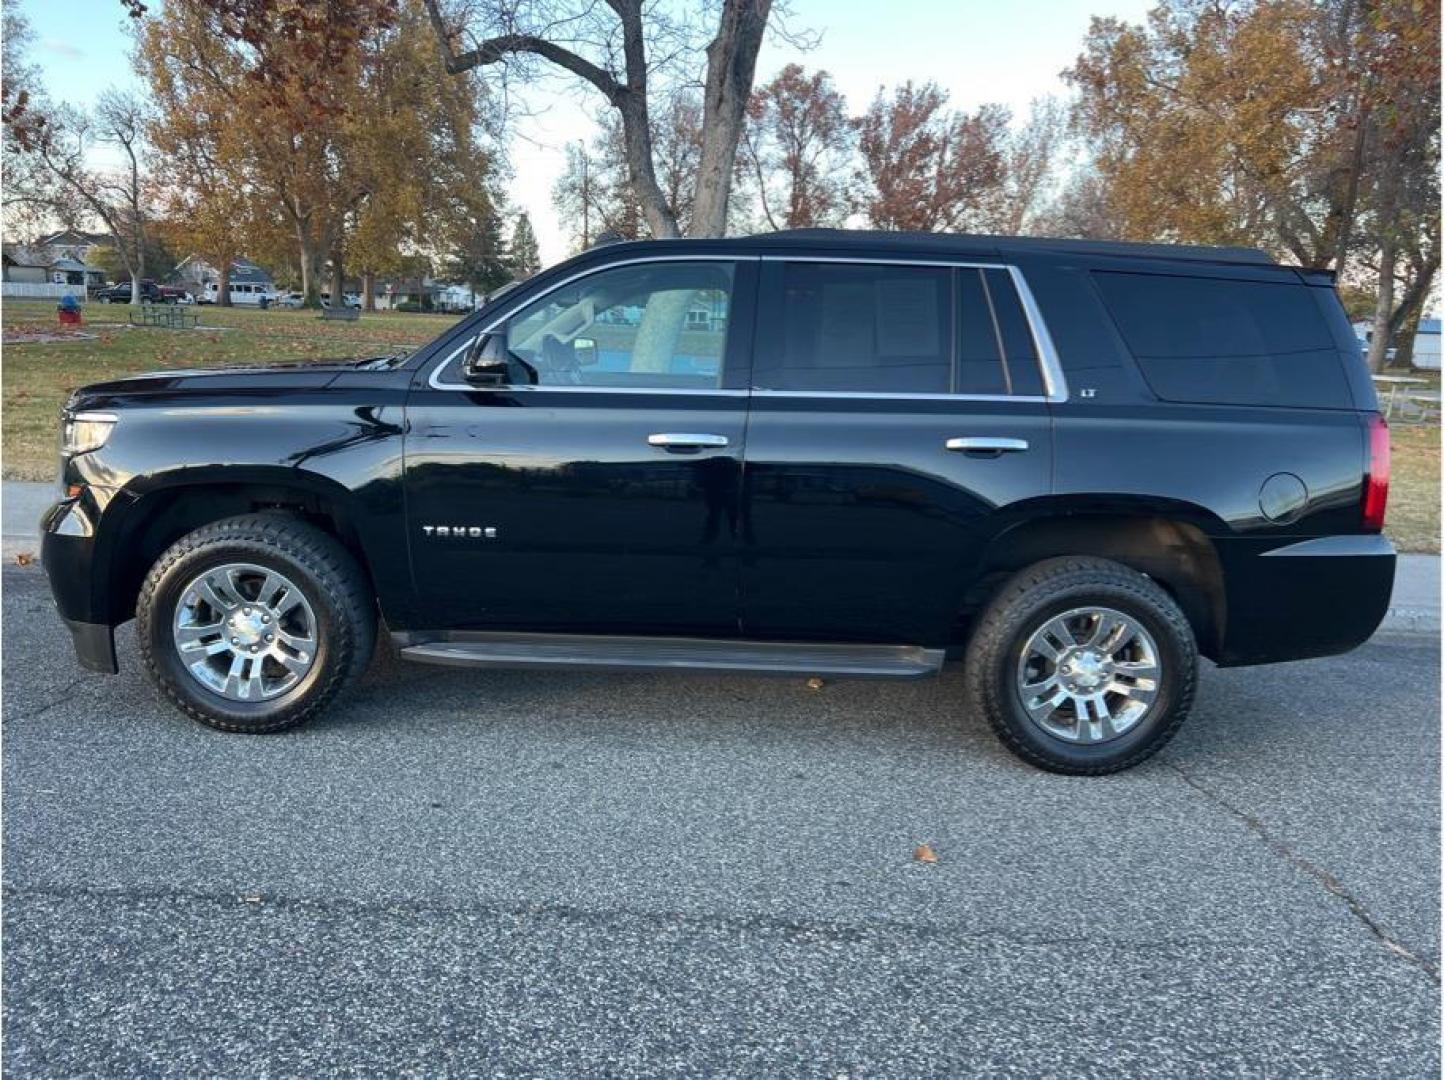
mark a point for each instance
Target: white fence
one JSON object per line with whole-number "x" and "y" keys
{"x": 35, "y": 290}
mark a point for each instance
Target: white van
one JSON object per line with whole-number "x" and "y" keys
{"x": 242, "y": 292}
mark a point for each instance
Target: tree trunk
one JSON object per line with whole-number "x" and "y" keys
{"x": 137, "y": 271}
{"x": 338, "y": 277}
{"x": 368, "y": 290}
{"x": 1383, "y": 305}
{"x": 731, "y": 64}
{"x": 223, "y": 286}
{"x": 1404, "y": 323}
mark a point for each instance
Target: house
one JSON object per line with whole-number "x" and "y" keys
{"x": 23, "y": 264}
{"x": 68, "y": 271}
{"x": 1426, "y": 341}
{"x": 74, "y": 244}
{"x": 1426, "y": 344}
{"x": 195, "y": 274}
{"x": 459, "y": 298}
{"x": 392, "y": 293}
{"x": 39, "y": 265}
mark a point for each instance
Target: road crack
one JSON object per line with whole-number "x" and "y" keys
{"x": 1310, "y": 869}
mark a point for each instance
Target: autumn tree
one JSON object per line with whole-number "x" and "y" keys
{"x": 525, "y": 255}
{"x": 67, "y": 178}
{"x": 24, "y": 114}
{"x": 1305, "y": 127}
{"x": 618, "y": 49}
{"x": 928, "y": 168}
{"x": 1032, "y": 154}
{"x": 196, "y": 126}
{"x": 1401, "y": 201}
{"x": 416, "y": 145}
{"x": 796, "y": 148}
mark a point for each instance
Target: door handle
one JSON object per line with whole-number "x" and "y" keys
{"x": 669, "y": 440}
{"x": 986, "y": 444}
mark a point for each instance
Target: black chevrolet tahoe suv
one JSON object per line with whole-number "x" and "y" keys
{"x": 1073, "y": 465}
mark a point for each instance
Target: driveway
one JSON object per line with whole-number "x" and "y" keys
{"x": 536, "y": 874}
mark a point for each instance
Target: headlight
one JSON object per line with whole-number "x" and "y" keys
{"x": 85, "y": 431}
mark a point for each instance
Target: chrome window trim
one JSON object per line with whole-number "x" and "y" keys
{"x": 1055, "y": 384}
{"x": 867, "y": 395}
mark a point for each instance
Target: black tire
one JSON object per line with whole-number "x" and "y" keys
{"x": 325, "y": 572}
{"x": 1040, "y": 593}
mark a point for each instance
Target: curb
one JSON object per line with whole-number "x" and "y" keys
{"x": 1402, "y": 620}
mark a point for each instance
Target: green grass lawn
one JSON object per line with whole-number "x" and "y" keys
{"x": 37, "y": 378}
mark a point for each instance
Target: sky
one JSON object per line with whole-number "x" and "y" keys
{"x": 978, "y": 50}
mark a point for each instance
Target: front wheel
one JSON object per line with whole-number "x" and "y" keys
{"x": 1082, "y": 666}
{"x": 252, "y": 624}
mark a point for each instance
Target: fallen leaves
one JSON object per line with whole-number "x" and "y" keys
{"x": 24, "y": 558}
{"x": 925, "y": 853}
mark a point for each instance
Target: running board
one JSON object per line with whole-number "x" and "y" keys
{"x": 673, "y": 654}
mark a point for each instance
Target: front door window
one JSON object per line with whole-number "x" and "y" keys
{"x": 651, "y": 325}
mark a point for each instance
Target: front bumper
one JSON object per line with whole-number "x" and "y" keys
{"x": 1313, "y": 598}
{"x": 68, "y": 553}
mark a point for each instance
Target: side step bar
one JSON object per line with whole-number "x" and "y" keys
{"x": 672, "y": 654}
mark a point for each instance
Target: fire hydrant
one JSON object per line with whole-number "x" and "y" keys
{"x": 69, "y": 310}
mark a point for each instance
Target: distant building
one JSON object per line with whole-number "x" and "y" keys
{"x": 74, "y": 244}
{"x": 195, "y": 274}
{"x": 1426, "y": 344}
{"x": 40, "y": 264}
{"x": 22, "y": 264}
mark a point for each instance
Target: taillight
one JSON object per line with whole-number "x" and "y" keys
{"x": 1376, "y": 482}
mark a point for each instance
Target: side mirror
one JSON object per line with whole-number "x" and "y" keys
{"x": 585, "y": 351}
{"x": 487, "y": 363}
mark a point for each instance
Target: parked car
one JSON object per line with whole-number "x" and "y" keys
{"x": 243, "y": 293}
{"x": 121, "y": 293}
{"x": 291, "y": 300}
{"x": 350, "y": 300}
{"x": 1074, "y": 465}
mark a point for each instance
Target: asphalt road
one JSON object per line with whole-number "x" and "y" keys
{"x": 529, "y": 874}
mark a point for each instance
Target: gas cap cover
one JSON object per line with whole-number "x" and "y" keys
{"x": 1283, "y": 498}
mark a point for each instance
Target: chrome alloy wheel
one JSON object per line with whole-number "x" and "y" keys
{"x": 245, "y": 632}
{"x": 1089, "y": 675}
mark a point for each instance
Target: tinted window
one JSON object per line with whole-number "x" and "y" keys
{"x": 1014, "y": 333}
{"x": 862, "y": 328}
{"x": 980, "y": 347}
{"x": 898, "y": 329}
{"x": 661, "y": 324}
{"x": 1223, "y": 341}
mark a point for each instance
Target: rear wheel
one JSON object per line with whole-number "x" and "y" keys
{"x": 1082, "y": 666}
{"x": 252, "y": 624}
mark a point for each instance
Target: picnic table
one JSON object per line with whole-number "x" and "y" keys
{"x": 1393, "y": 384}
{"x": 172, "y": 316}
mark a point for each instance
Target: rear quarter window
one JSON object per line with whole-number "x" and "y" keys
{"x": 1227, "y": 342}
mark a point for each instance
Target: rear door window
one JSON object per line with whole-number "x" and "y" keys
{"x": 1222, "y": 341}
{"x": 890, "y": 329}
{"x": 863, "y": 328}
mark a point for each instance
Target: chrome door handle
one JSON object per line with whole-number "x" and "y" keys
{"x": 670, "y": 440}
{"x": 986, "y": 443}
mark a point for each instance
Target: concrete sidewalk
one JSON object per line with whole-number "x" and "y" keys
{"x": 1414, "y": 607}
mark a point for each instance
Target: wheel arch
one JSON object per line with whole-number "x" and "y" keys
{"x": 1169, "y": 543}
{"x": 136, "y": 530}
